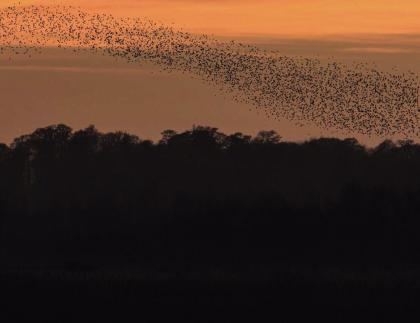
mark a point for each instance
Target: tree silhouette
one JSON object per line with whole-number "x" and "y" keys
{"x": 202, "y": 196}
{"x": 267, "y": 137}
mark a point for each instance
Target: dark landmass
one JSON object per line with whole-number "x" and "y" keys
{"x": 206, "y": 226}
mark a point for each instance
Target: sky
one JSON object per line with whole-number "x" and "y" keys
{"x": 296, "y": 18}
{"x": 84, "y": 89}
{"x": 79, "y": 91}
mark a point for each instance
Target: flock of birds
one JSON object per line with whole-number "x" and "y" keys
{"x": 355, "y": 98}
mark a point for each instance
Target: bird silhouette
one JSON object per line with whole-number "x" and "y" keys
{"x": 356, "y": 97}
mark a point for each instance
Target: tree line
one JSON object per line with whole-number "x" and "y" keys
{"x": 201, "y": 196}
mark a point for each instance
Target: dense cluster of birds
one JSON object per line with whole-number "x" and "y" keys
{"x": 331, "y": 95}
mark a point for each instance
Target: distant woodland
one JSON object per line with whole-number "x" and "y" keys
{"x": 85, "y": 199}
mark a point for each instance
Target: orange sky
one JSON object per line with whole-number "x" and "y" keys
{"x": 268, "y": 17}
{"x": 79, "y": 92}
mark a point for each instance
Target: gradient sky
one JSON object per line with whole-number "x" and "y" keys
{"x": 82, "y": 90}
{"x": 268, "y": 17}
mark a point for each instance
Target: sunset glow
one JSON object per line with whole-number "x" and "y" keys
{"x": 382, "y": 33}
{"x": 298, "y": 18}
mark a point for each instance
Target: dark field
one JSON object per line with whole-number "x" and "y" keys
{"x": 207, "y": 227}
{"x": 336, "y": 295}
